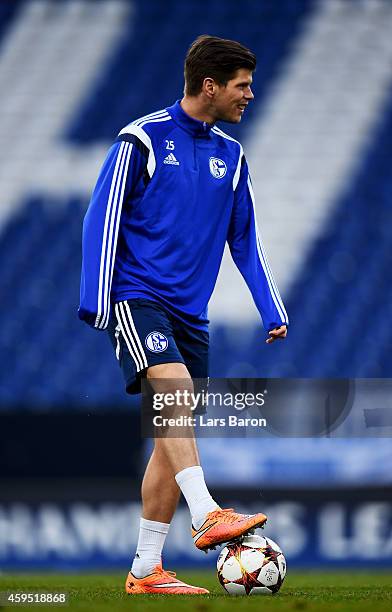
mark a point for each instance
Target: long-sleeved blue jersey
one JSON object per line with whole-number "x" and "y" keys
{"x": 171, "y": 192}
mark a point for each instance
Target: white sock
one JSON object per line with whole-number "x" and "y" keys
{"x": 193, "y": 487}
{"x": 152, "y": 537}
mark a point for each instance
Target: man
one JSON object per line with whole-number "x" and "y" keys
{"x": 173, "y": 189}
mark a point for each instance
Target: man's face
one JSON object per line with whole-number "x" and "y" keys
{"x": 231, "y": 99}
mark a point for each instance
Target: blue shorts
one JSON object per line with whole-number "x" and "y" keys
{"x": 144, "y": 334}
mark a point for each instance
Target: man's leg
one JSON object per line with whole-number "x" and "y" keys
{"x": 160, "y": 495}
{"x": 181, "y": 453}
{"x": 172, "y": 460}
{"x": 211, "y": 525}
{"x": 160, "y": 492}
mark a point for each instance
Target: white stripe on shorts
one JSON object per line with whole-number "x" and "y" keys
{"x": 129, "y": 340}
{"x": 142, "y": 354}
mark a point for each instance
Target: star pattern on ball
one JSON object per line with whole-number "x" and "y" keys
{"x": 252, "y": 565}
{"x": 249, "y": 580}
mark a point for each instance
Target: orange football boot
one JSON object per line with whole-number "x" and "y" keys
{"x": 224, "y": 525}
{"x": 162, "y": 582}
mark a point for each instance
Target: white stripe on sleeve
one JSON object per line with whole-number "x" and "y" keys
{"x": 146, "y": 140}
{"x": 237, "y": 172}
{"x": 264, "y": 263}
{"x": 104, "y": 237}
{"x": 113, "y": 232}
{"x": 109, "y": 241}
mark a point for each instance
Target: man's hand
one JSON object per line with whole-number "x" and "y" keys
{"x": 279, "y": 333}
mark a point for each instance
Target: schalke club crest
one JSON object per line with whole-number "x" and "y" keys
{"x": 218, "y": 167}
{"x": 156, "y": 342}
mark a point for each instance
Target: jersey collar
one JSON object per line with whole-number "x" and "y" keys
{"x": 187, "y": 123}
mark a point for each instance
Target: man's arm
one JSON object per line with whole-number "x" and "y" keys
{"x": 122, "y": 170}
{"x": 249, "y": 256}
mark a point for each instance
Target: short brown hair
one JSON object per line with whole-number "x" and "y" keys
{"x": 217, "y": 58}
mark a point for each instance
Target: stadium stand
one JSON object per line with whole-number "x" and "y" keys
{"x": 340, "y": 299}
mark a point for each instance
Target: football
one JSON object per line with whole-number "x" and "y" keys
{"x": 252, "y": 566}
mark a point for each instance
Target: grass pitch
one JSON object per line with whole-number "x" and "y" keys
{"x": 300, "y": 591}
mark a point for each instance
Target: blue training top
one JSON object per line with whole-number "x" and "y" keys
{"x": 170, "y": 193}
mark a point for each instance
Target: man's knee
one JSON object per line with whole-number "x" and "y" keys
{"x": 169, "y": 377}
{"x": 174, "y": 386}
{"x": 168, "y": 371}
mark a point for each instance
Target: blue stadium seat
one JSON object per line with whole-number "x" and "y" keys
{"x": 338, "y": 306}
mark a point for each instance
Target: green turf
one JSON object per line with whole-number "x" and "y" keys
{"x": 301, "y": 591}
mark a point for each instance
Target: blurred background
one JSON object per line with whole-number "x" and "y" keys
{"x": 318, "y": 138}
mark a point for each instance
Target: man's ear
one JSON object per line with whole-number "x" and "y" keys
{"x": 209, "y": 87}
